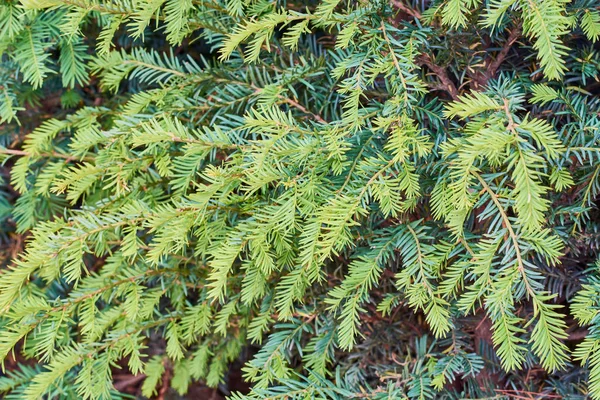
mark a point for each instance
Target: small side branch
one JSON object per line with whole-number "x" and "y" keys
{"x": 491, "y": 65}
{"x": 303, "y": 109}
{"x": 446, "y": 83}
{"x": 67, "y": 157}
{"x": 515, "y": 33}
{"x": 406, "y": 9}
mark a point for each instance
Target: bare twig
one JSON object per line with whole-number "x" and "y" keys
{"x": 515, "y": 33}
{"x": 491, "y": 64}
{"x": 303, "y": 109}
{"x": 406, "y": 9}
{"x": 166, "y": 379}
{"x": 131, "y": 380}
{"x": 446, "y": 83}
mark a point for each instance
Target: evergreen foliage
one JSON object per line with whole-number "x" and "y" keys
{"x": 382, "y": 200}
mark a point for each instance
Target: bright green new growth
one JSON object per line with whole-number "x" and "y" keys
{"x": 321, "y": 166}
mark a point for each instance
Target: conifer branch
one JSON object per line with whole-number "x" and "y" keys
{"x": 259, "y": 174}
{"x": 67, "y": 157}
{"x": 511, "y": 232}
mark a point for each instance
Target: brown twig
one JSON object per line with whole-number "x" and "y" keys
{"x": 523, "y": 394}
{"x": 404, "y": 8}
{"x": 491, "y": 64}
{"x": 515, "y": 33}
{"x": 166, "y": 379}
{"x": 131, "y": 380}
{"x": 446, "y": 83}
{"x": 576, "y": 336}
{"x": 303, "y": 109}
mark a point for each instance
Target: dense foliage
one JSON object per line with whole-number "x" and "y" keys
{"x": 354, "y": 199}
